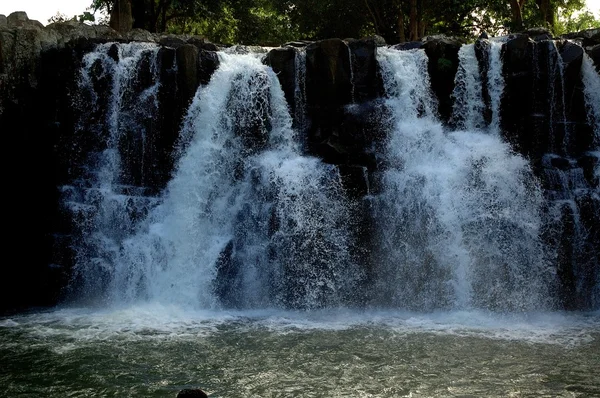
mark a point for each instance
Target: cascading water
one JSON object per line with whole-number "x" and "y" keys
{"x": 591, "y": 82}
{"x": 468, "y": 100}
{"x": 246, "y": 219}
{"x": 571, "y": 192}
{"x": 469, "y": 104}
{"x": 460, "y": 214}
{"x": 300, "y": 90}
{"x": 495, "y": 84}
{"x": 556, "y": 88}
{"x": 108, "y": 199}
{"x": 446, "y": 242}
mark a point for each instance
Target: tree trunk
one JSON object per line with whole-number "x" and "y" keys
{"x": 414, "y": 25}
{"x": 373, "y": 18}
{"x": 138, "y": 11}
{"x": 516, "y": 8}
{"x": 547, "y": 12}
{"x": 401, "y": 34}
{"x": 120, "y": 16}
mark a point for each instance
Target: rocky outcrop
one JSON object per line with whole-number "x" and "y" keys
{"x": 283, "y": 62}
{"x": 342, "y": 78}
{"x": 334, "y": 89}
{"x": 586, "y": 38}
{"x": 38, "y": 86}
{"x": 442, "y": 52}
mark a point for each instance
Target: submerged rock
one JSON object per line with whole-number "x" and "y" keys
{"x": 192, "y": 393}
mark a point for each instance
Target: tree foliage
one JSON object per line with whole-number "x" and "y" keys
{"x": 272, "y": 22}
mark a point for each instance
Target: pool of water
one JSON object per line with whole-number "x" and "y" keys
{"x": 157, "y": 350}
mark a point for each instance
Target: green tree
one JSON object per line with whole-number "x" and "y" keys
{"x": 272, "y": 22}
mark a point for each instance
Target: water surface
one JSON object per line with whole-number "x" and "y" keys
{"x": 156, "y": 350}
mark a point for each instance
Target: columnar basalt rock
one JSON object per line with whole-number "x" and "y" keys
{"x": 482, "y": 52}
{"x": 519, "y": 124}
{"x": 39, "y": 71}
{"x": 283, "y": 62}
{"x": 442, "y": 52}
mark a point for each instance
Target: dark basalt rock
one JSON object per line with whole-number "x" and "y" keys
{"x": 366, "y": 79}
{"x": 171, "y": 41}
{"x": 443, "y": 65}
{"x": 410, "y": 45}
{"x": 202, "y": 43}
{"x": 328, "y": 89}
{"x": 209, "y": 63}
{"x": 378, "y": 40}
{"x": 482, "y": 48}
{"x": 578, "y": 129}
{"x": 283, "y": 62}
{"x": 572, "y": 54}
{"x": 298, "y": 44}
{"x": 140, "y": 35}
{"x": 538, "y": 33}
{"x": 20, "y": 19}
{"x": 588, "y": 38}
{"x": 594, "y": 54}
{"x": 588, "y": 162}
{"x": 355, "y": 180}
{"x": 328, "y": 80}
{"x": 521, "y": 125}
{"x": 188, "y": 78}
{"x": 518, "y": 52}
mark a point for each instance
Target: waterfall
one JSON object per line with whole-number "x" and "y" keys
{"x": 246, "y": 220}
{"x": 452, "y": 218}
{"x": 591, "y": 82}
{"x": 469, "y": 104}
{"x": 572, "y": 195}
{"x": 495, "y": 84}
{"x": 556, "y": 89}
{"x": 468, "y": 100}
{"x": 459, "y": 216}
{"x": 108, "y": 199}
{"x": 300, "y": 89}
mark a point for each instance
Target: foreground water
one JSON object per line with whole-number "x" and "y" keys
{"x": 155, "y": 350}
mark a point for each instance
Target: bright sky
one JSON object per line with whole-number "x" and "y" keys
{"x": 42, "y": 10}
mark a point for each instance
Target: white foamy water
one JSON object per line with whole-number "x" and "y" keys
{"x": 468, "y": 101}
{"x": 247, "y": 220}
{"x": 154, "y": 321}
{"x": 460, "y": 213}
{"x": 495, "y": 84}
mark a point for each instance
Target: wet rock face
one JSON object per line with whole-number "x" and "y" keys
{"x": 283, "y": 62}
{"x": 594, "y": 53}
{"x": 346, "y": 123}
{"x": 443, "y": 64}
{"x": 38, "y": 76}
{"x": 329, "y": 74}
{"x": 342, "y": 81}
{"x": 520, "y": 125}
{"x": 366, "y": 78}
